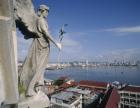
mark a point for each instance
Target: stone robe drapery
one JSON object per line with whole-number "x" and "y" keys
{"x": 36, "y": 60}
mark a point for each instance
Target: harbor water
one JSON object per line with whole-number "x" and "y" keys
{"x": 123, "y": 74}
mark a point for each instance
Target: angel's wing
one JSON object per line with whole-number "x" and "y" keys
{"x": 26, "y": 18}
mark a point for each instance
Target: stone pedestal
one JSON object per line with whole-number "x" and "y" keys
{"x": 8, "y": 56}
{"x": 40, "y": 100}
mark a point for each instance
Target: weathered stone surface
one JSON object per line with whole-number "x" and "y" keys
{"x": 40, "y": 100}
{"x": 8, "y": 56}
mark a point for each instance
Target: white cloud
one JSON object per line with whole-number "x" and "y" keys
{"x": 71, "y": 46}
{"x": 77, "y": 34}
{"x": 134, "y": 29}
{"x": 70, "y": 42}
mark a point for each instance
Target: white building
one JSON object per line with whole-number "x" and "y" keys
{"x": 130, "y": 97}
{"x": 48, "y": 81}
{"x": 66, "y": 100}
{"x": 87, "y": 95}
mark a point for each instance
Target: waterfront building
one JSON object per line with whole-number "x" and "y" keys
{"x": 96, "y": 94}
{"x": 130, "y": 97}
{"x": 65, "y": 99}
{"x": 86, "y": 94}
{"x": 67, "y": 85}
{"x": 48, "y": 81}
{"x": 93, "y": 84}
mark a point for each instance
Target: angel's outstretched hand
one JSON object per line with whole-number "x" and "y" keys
{"x": 59, "y": 46}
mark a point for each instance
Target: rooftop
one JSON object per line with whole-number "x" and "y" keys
{"x": 67, "y": 97}
{"x": 66, "y": 85}
{"x": 131, "y": 88}
{"x": 113, "y": 100}
{"x": 85, "y": 92}
{"x": 93, "y": 83}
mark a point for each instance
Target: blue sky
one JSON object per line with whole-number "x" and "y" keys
{"x": 98, "y": 30}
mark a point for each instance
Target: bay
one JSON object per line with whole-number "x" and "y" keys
{"x": 123, "y": 74}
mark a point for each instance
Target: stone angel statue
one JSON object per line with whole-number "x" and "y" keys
{"x": 34, "y": 26}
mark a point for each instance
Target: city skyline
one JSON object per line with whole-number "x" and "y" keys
{"x": 97, "y": 30}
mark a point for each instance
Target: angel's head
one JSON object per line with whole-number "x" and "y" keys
{"x": 43, "y": 10}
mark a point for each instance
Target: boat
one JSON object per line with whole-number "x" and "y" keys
{"x": 57, "y": 67}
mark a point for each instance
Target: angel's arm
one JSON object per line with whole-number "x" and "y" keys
{"x": 47, "y": 34}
